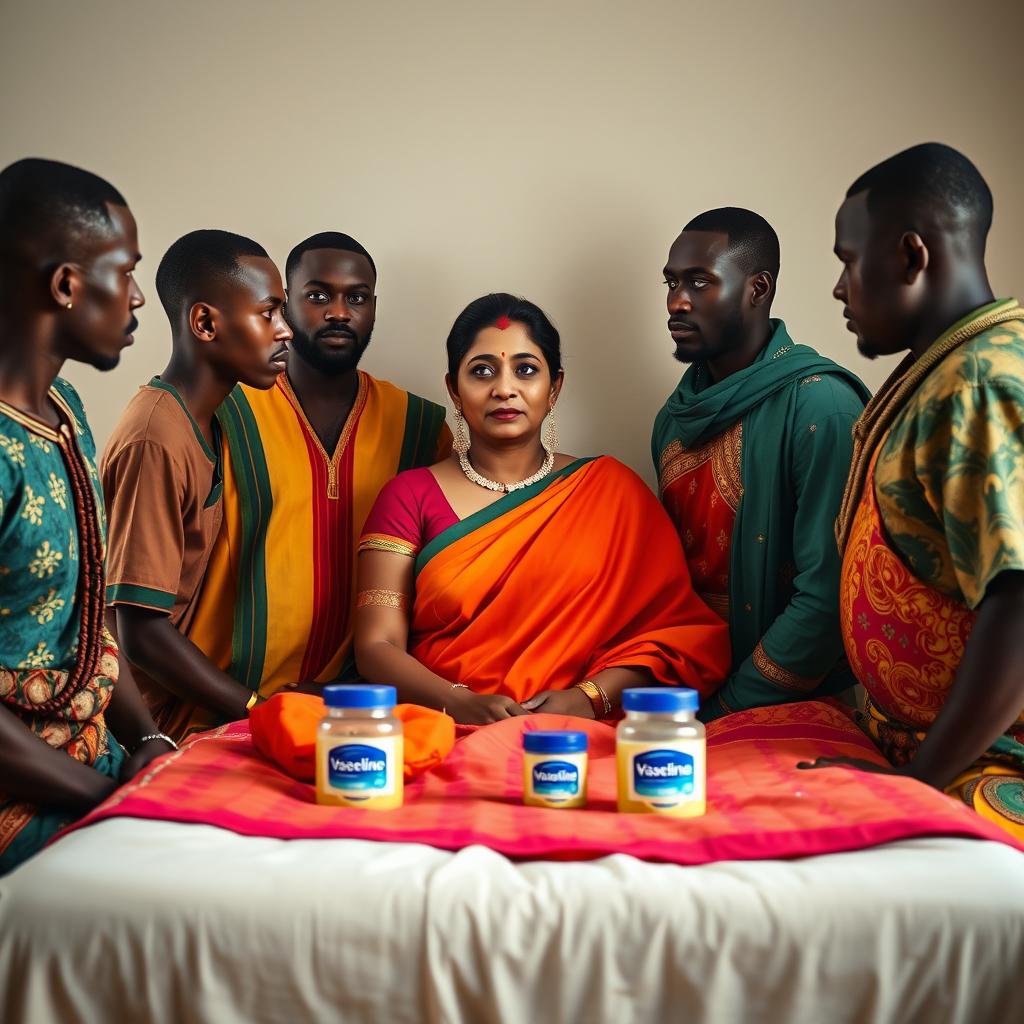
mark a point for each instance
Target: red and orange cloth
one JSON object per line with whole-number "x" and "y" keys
{"x": 759, "y": 804}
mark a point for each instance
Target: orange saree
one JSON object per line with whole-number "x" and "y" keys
{"x": 557, "y": 582}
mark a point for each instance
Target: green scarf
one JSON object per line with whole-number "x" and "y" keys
{"x": 699, "y": 413}
{"x": 764, "y": 396}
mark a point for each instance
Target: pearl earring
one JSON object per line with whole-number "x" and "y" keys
{"x": 549, "y": 433}
{"x": 460, "y": 441}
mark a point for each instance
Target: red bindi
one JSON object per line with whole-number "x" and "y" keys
{"x": 502, "y": 322}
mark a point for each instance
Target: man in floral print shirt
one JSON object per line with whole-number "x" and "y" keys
{"x": 68, "y": 246}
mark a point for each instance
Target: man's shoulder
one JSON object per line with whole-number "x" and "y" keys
{"x": 245, "y": 396}
{"x": 388, "y": 390}
{"x": 993, "y": 358}
{"x": 155, "y": 429}
{"x": 154, "y": 416}
{"x": 828, "y": 392}
{"x": 383, "y": 390}
{"x": 67, "y": 393}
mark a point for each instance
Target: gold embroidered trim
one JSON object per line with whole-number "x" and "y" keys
{"x": 881, "y": 412}
{"x": 383, "y": 542}
{"x": 12, "y": 822}
{"x": 775, "y": 673}
{"x": 725, "y": 452}
{"x": 37, "y": 426}
{"x": 381, "y": 599}
{"x": 346, "y": 433}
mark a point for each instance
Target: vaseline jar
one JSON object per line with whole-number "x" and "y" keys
{"x": 661, "y": 753}
{"x": 554, "y": 769}
{"x": 359, "y": 748}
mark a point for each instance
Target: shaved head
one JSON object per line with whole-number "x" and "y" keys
{"x": 51, "y": 212}
{"x": 929, "y": 186}
{"x": 334, "y": 240}
{"x": 911, "y": 235}
{"x": 753, "y": 243}
{"x": 195, "y": 263}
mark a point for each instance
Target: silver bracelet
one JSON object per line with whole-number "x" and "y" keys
{"x": 459, "y": 686}
{"x": 156, "y": 736}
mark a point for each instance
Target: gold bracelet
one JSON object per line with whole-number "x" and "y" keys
{"x": 251, "y": 702}
{"x": 598, "y": 698}
{"x": 381, "y": 599}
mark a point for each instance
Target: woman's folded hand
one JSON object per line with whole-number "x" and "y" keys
{"x": 469, "y": 708}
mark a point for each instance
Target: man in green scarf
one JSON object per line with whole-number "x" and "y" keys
{"x": 752, "y": 452}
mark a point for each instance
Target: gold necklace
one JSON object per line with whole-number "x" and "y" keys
{"x": 494, "y": 485}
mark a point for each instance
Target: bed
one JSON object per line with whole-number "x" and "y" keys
{"x": 134, "y": 920}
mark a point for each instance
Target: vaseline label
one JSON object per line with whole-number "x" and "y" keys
{"x": 360, "y": 771}
{"x": 556, "y": 780}
{"x": 663, "y": 777}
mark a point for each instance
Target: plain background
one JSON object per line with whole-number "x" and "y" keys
{"x": 552, "y": 149}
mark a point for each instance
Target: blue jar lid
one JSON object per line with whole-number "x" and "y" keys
{"x": 348, "y": 695}
{"x": 554, "y": 742}
{"x": 665, "y": 699}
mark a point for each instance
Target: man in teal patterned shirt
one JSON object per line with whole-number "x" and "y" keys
{"x": 68, "y": 247}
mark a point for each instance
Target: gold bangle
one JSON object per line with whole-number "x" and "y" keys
{"x": 381, "y": 599}
{"x": 598, "y": 698}
{"x": 251, "y": 702}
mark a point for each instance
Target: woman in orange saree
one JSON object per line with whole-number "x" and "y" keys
{"x": 512, "y": 578}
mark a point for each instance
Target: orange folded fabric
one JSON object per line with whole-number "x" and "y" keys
{"x": 284, "y": 730}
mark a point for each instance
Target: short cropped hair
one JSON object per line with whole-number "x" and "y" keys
{"x": 326, "y": 240}
{"x": 488, "y": 309}
{"x": 931, "y": 179}
{"x": 54, "y": 205}
{"x": 195, "y": 261}
{"x": 753, "y": 242}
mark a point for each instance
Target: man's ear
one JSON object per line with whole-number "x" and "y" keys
{"x": 66, "y": 284}
{"x": 762, "y": 288}
{"x": 914, "y": 256}
{"x": 202, "y": 321}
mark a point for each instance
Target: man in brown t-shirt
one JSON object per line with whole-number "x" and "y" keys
{"x": 161, "y": 470}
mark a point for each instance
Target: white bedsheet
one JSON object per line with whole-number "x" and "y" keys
{"x": 154, "y": 921}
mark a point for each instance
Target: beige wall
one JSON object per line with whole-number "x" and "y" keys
{"x": 552, "y": 149}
